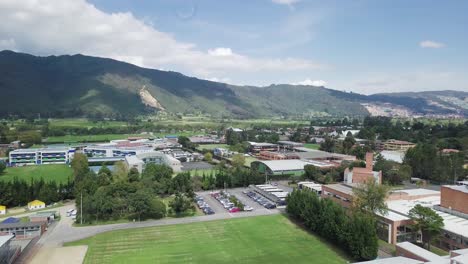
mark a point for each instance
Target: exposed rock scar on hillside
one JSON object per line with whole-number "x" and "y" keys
{"x": 149, "y": 100}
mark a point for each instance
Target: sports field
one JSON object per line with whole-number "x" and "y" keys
{"x": 312, "y": 146}
{"x": 262, "y": 239}
{"x": 54, "y": 172}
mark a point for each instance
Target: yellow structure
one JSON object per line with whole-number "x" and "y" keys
{"x": 36, "y": 204}
{"x": 2, "y": 209}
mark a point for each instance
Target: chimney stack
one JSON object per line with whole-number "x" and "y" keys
{"x": 369, "y": 161}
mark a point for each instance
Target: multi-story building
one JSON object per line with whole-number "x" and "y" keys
{"x": 20, "y": 157}
{"x": 394, "y": 145}
{"x": 139, "y": 161}
{"x": 256, "y": 147}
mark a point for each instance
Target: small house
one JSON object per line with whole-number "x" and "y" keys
{"x": 36, "y": 204}
{"x": 2, "y": 210}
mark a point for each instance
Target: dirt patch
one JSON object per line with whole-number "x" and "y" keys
{"x": 60, "y": 255}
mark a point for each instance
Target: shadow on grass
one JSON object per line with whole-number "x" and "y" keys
{"x": 342, "y": 253}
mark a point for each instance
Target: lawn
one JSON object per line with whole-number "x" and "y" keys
{"x": 54, "y": 172}
{"x": 312, "y": 146}
{"x": 88, "y": 138}
{"x": 262, "y": 239}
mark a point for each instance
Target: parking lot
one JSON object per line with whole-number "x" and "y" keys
{"x": 219, "y": 209}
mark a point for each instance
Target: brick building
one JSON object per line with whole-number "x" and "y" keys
{"x": 454, "y": 197}
{"x": 361, "y": 175}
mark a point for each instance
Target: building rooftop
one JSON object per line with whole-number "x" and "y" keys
{"x": 460, "y": 188}
{"x": 452, "y": 223}
{"x": 416, "y": 192}
{"x": 285, "y": 165}
{"x": 396, "y": 156}
{"x": 30, "y": 150}
{"x": 292, "y": 143}
{"x": 419, "y": 251}
{"x": 395, "y": 260}
{"x": 4, "y": 239}
{"x": 262, "y": 144}
{"x": 343, "y": 188}
{"x": 314, "y": 154}
{"x": 462, "y": 259}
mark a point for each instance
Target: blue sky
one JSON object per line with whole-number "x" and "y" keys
{"x": 360, "y": 46}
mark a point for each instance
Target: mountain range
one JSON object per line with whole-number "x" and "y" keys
{"x": 78, "y": 85}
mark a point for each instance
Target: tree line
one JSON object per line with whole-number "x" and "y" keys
{"x": 354, "y": 232}
{"x": 19, "y": 192}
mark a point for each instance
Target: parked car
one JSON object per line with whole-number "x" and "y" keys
{"x": 270, "y": 206}
{"x": 234, "y": 210}
{"x": 248, "y": 208}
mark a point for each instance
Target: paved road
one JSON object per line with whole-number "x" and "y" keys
{"x": 65, "y": 232}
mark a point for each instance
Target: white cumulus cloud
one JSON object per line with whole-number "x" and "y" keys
{"x": 46, "y": 27}
{"x": 220, "y": 52}
{"x": 431, "y": 44}
{"x": 311, "y": 82}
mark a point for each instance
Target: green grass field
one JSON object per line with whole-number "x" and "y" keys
{"x": 312, "y": 146}
{"x": 262, "y": 239}
{"x": 54, "y": 172}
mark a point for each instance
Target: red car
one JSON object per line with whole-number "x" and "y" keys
{"x": 234, "y": 210}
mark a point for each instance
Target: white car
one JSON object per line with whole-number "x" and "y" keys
{"x": 248, "y": 208}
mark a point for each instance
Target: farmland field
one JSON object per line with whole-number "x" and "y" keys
{"x": 53, "y": 172}
{"x": 262, "y": 239}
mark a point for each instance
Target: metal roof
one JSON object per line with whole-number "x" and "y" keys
{"x": 395, "y": 260}
{"x": 284, "y": 165}
{"x": 419, "y": 251}
{"x": 4, "y": 239}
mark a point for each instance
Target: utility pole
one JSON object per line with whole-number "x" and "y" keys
{"x": 81, "y": 208}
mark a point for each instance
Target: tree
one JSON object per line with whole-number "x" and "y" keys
{"x": 180, "y": 204}
{"x": 120, "y": 172}
{"x": 80, "y": 166}
{"x": 2, "y": 167}
{"x": 426, "y": 221}
{"x": 312, "y": 172}
{"x": 139, "y": 202}
{"x": 133, "y": 175}
{"x": 328, "y": 145}
{"x": 361, "y": 236}
{"x": 370, "y": 197}
{"x": 157, "y": 209}
{"x": 348, "y": 143}
{"x": 238, "y": 160}
{"x": 208, "y": 157}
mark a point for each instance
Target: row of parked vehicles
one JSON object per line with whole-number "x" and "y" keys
{"x": 260, "y": 199}
{"x": 203, "y": 206}
{"x": 223, "y": 198}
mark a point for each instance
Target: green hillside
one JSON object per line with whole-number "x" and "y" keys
{"x": 84, "y": 86}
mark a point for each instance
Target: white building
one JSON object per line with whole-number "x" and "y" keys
{"x": 20, "y": 157}
{"x": 139, "y": 161}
